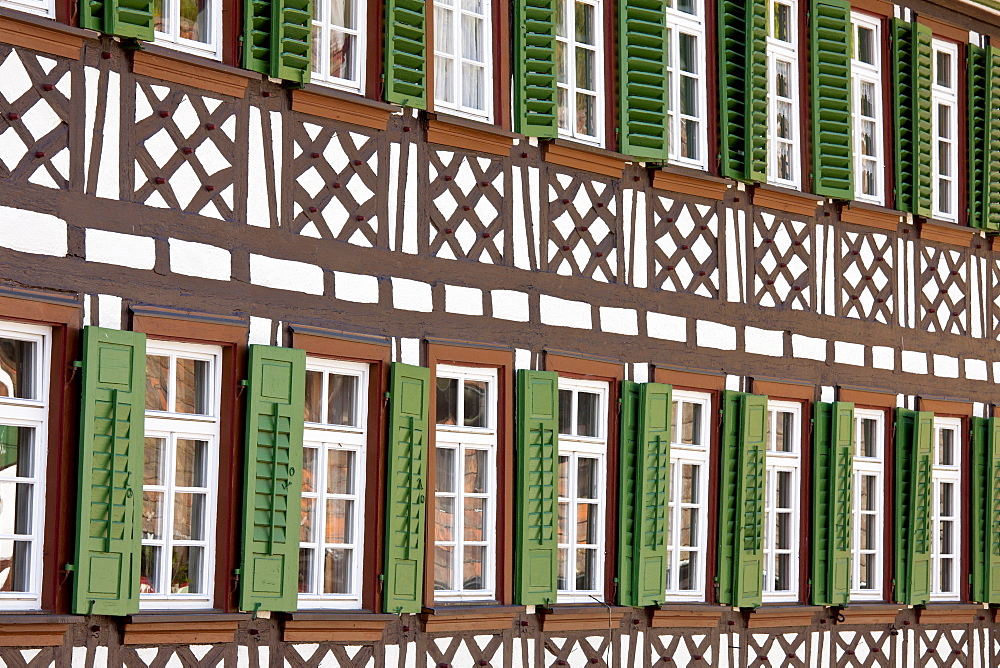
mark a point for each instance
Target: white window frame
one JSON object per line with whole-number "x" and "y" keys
{"x": 324, "y": 438}
{"x": 776, "y": 462}
{"x": 32, "y": 413}
{"x": 322, "y": 46}
{"x": 941, "y": 473}
{"x": 570, "y": 44}
{"x": 873, "y": 467}
{"x": 868, "y": 73}
{"x": 788, "y": 52}
{"x": 574, "y": 447}
{"x": 458, "y": 80}
{"x": 692, "y": 24}
{"x": 46, "y": 8}
{"x": 462, "y": 439}
{"x": 170, "y": 426}
{"x": 698, "y": 455}
{"x": 172, "y": 39}
{"x": 941, "y": 95}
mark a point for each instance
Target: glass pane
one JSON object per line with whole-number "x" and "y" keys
{"x": 688, "y": 53}
{"x": 586, "y": 570}
{"x": 447, "y": 401}
{"x": 309, "y": 470}
{"x": 186, "y": 570}
{"x": 586, "y": 478}
{"x": 337, "y": 571}
{"x": 689, "y": 483}
{"x": 314, "y": 393}
{"x": 472, "y": 567}
{"x": 689, "y": 527}
{"x": 782, "y": 539}
{"x": 783, "y": 86}
{"x": 868, "y": 497}
{"x": 194, "y": 20}
{"x": 868, "y": 178}
{"x": 585, "y": 72}
{"x": 689, "y": 139}
{"x": 563, "y": 477}
{"x": 784, "y": 495}
{"x": 782, "y": 572}
{"x": 584, "y": 23}
{"x": 944, "y": 195}
{"x": 474, "y": 399}
{"x": 686, "y": 6}
{"x": 944, "y": 121}
{"x": 587, "y": 409}
{"x": 340, "y": 471}
{"x": 565, "y": 412}
{"x": 686, "y": 571}
{"x": 564, "y": 122}
{"x": 342, "y": 59}
{"x": 474, "y": 93}
{"x": 307, "y": 523}
{"x": 317, "y": 39}
{"x": 472, "y": 38}
{"x": 475, "y": 519}
{"x": 868, "y": 100}
{"x": 160, "y": 23}
{"x": 691, "y": 424}
{"x": 191, "y": 463}
{"x": 689, "y": 96}
{"x": 152, "y": 515}
{"x": 157, "y": 383}
{"x": 339, "y": 521}
{"x": 563, "y": 527}
{"x": 586, "y": 523}
{"x": 444, "y": 89}
{"x": 444, "y": 515}
{"x": 942, "y": 74}
{"x": 476, "y": 471}
{"x": 149, "y": 568}
{"x": 343, "y": 399}
{"x": 560, "y": 19}
{"x": 16, "y": 452}
{"x": 867, "y": 571}
{"x": 866, "y": 45}
{"x": 944, "y": 158}
{"x": 586, "y": 120}
{"x": 946, "y": 584}
{"x": 189, "y": 516}
{"x": 342, "y": 13}
{"x": 16, "y": 362}
{"x": 867, "y": 531}
{"x": 784, "y": 431}
{"x": 782, "y": 22}
{"x": 444, "y": 30}
{"x": 868, "y": 445}
{"x": 443, "y": 567}
{"x": 444, "y": 472}
{"x": 192, "y": 387}
{"x": 945, "y": 447}
{"x": 562, "y": 579}
{"x": 306, "y": 570}
{"x": 946, "y": 499}
{"x": 785, "y": 162}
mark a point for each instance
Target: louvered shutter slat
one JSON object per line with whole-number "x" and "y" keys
{"x": 905, "y": 420}
{"x": 626, "y": 489}
{"x": 914, "y": 450}
{"x": 830, "y": 58}
{"x": 535, "y": 68}
{"x": 643, "y": 58}
{"x": 743, "y": 77}
{"x": 257, "y": 20}
{"x": 992, "y": 511}
{"x": 822, "y": 456}
{"x": 291, "y": 51}
{"x": 406, "y": 53}
{"x": 978, "y": 121}
{"x": 652, "y": 494}
{"x": 728, "y": 481}
{"x": 979, "y": 524}
{"x": 748, "y": 578}
{"x": 756, "y": 90}
{"x": 992, "y": 163}
{"x": 841, "y": 501}
{"x": 923, "y": 73}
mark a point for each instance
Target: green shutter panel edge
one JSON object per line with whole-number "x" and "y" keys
{"x": 535, "y": 102}
{"x": 406, "y": 487}
{"x": 979, "y": 524}
{"x": 993, "y": 511}
{"x": 728, "y": 479}
{"x": 258, "y": 19}
{"x": 649, "y": 565}
{"x": 904, "y": 115}
{"x": 406, "y": 53}
{"x": 629, "y": 435}
{"x": 277, "y": 38}
{"x": 978, "y": 135}
{"x": 109, "y": 508}
{"x": 643, "y": 71}
{"x": 536, "y": 454}
{"x": 905, "y": 421}
{"x": 821, "y": 513}
{"x": 272, "y": 479}
{"x": 914, "y": 437}
{"x": 756, "y": 90}
{"x": 830, "y": 64}
{"x": 841, "y": 502}
{"x": 922, "y": 74}
{"x": 748, "y": 565}
{"x": 992, "y": 167}
{"x": 125, "y": 18}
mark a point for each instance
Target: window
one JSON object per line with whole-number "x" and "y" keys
{"x": 686, "y": 83}
{"x": 338, "y": 43}
{"x": 946, "y": 498}
{"x": 465, "y": 484}
{"x": 783, "y": 94}
{"x": 687, "y": 510}
{"x": 194, "y": 26}
{"x": 331, "y": 554}
{"x": 782, "y": 501}
{"x": 866, "y": 78}
{"x": 463, "y": 69}
{"x": 24, "y": 393}
{"x": 580, "y": 66}
{"x": 944, "y": 130}
{"x": 582, "y": 489}
{"x": 179, "y": 474}
{"x": 40, "y": 7}
{"x": 869, "y": 493}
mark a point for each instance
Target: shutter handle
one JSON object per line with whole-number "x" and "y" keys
{"x": 291, "y": 471}
{"x": 128, "y": 492}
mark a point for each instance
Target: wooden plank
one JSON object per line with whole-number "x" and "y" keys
{"x": 182, "y": 71}
{"x": 339, "y": 109}
{"x": 51, "y": 40}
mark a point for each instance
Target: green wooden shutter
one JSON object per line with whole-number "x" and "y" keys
{"x": 728, "y": 480}
{"x": 272, "y": 479}
{"x": 406, "y": 488}
{"x": 109, "y": 508}
{"x": 833, "y": 471}
{"x": 905, "y": 420}
{"x": 830, "y": 59}
{"x": 979, "y": 524}
{"x": 743, "y": 77}
{"x": 537, "y": 503}
{"x": 977, "y": 69}
{"x": 992, "y": 511}
{"x": 535, "y": 112}
{"x": 992, "y": 212}
{"x": 912, "y": 72}
{"x": 406, "y": 53}
{"x": 125, "y": 18}
{"x": 923, "y": 73}
{"x": 914, "y": 449}
{"x": 652, "y": 494}
{"x": 822, "y": 455}
{"x": 643, "y": 58}
{"x": 627, "y": 447}
{"x": 277, "y": 38}
{"x": 257, "y": 21}
{"x": 748, "y": 573}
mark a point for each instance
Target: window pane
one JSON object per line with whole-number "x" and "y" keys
{"x": 157, "y": 383}
{"x": 687, "y": 570}
{"x": 343, "y": 393}
{"x": 585, "y": 119}
{"x": 946, "y": 584}
{"x": 152, "y": 465}
{"x": 563, "y": 528}
{"x": 149, "y": 568}
{"x": 686, "y": 6}
{"x": 472, "y": 38}
{"x": 782, "y": 82}
{"x": 867, "y": 571}
{"x": 586, "y": 523}
{"x": 194, "y": 20}
{"x": 475, "y": 519}
{"x": 186, "y": 570}
{"x": 691, "y": 424}
{"x": 585, "y": 74}
{"x": 152, "y": 515}
{"x": 584, "y": 23}
{"x": 867, "y": 530}
{"x": 868, "y": 100}
{"x": 314, "y": 395}
{"x": 689, "y": 139}
{"x": 782, "y": 538}
{"x": 689, "y": 483}
{"x": 443, "y": 567}
{"x": 564, "y": 477}
{"x": 306, "y": 570}
{"x": 444, "y": 512}
{"x": 307, "y": 523}
{"x": 189, "y": 516}
{"x": 944, "y": 121}
{"x": 191, "y": 462}
{"x": 339, "y": 521}
{"x": 160, "y": 22}
{"x": 472, "y": 567}
{"x": 447, "y": 401}
{"x": 444, "y": 30}
{"x": 562, "y": 579}
{"x": 342, "y": 13}
{"x": 309, "y": 470}
{"x": 868, "y": 497}
{"x": 943, "y": 69}
{"x": 868, "y": 435}
{"x": 565, "y": 412}
{"x": 443, "y": 84}
{"x": 16, "y": 362}
{"x": 945, "y": 447}
{"x": 444, "y": 471}
{"x": 587, "y": 404}
{"x": 192, "y": 387}
{"x": 476, "y": 471}
{"x": 689, "y": 527}
{"x": 475, "y": 395}
{"x": 342, "y": 59}
{"x": 947, "y": 489}
{"x": 782, "y": 22}
{"x": 586, "y": 570}
{"x": 586, "y": 478}
{"x": 337, "y": 571}
{"x": 784, "y": 489}
{"x": 16, "y": 452}
{"x": 340, "y": 472}
{"x": 785, "y": 432}
{"x": 782, "y": 575}
{"x": 866, "y": 45}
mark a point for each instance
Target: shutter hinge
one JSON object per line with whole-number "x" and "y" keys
{"x": 70, "y": 568}
{"x": 77, "y": 364}
{"x": 245, "y": 383}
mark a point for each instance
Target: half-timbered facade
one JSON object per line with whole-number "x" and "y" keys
{"x": 401, "y": 333}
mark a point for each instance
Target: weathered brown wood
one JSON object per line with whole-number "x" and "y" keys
{"x": 947, "y": 233}
{"x": 872, "y": 216}
{"x": 327, "y": 104}
{"x": 191, "y": 71}
{"x": 784, "y": 390}
{"x": 582, "y": 618}
{"x": 469, "y": 136}
{"x": 945, "y": 613}
{"x": 790, "y": 201}
{"x": 600, "y": 162}
{"x": 691, "y": 182}
{"x": 784, "y": 616}
{"x": 687, "y": 616}
{"x": 944, "y": 406}
{"x": 869, "y": 613}
{"x": 865, "y": 397}
{"x": 46, "y": 36}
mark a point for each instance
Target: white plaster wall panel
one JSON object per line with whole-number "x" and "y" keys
{"x": 286, "y": 274}
{"x": 409, "y": 351}
{"x": 640, "y": 258}
{"x": 125, "y": 250}
{"x": 883, "y": 357}
{"x": 619, "y": 320}
{"x": 202, "y": 260}
{"x": 393, "y": 222}
{"x": 534, "y": 201}
{"x": 666, "y": 327}
{"x": 977, "y": 274}
{"x": 83, "y": 657}
{"x": 768, "y": 342}
{"x": 410, "y": 295}
{"x": 510, "y": 305}
{"x": 33, "y": 232}
{"x": 565, "y": 312}
{"x": 628, "y": 232}
{"x": 732, "y": 248}
{"x": 410, "y": 217}
{"x": 975, "y": 369}
{"x": 809, "y": 347}
{"x": 827, "y": 393}
{"x": 463, "y": 300}
{"x": 945, "y": 366}
{"x": 522, "y": 358}
{"x": 358, "y": 288}
{"x": 914, "y": 362}
{"x": 260, "y": 331}
{"x": 640, "y": 372}
{"x": 715, "y": 335}
{"x": 520, "y": 207}
{"x": 263, "y": 168}
{"x": 109, "y": 311}
{"x": 845, "y": 352}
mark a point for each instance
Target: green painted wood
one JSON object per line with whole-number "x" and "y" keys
{"x": 904, "y": 115}
{"x": 977, "y": 87}
{"x": 535, "y": 95}
{"x": 406, "y": 53}
{"x": 914, "y": 450}
{"x": 628, "y": 438}
{"x": 124, "y": 18}
{"x": 992, "y": 512}
{"x": 756, "y": 90}
{"x": 923, "y": 73}
{"x": 109, "y": 506}
{"x": 652, "y": 494}
{"x": 728, "y": 479}
{"x": 979, "y": 522}
{"x": 992, "y": 163}
{"x": 277, "y": 38}
{"x": 644, "y": 92}
{"x": 743, "y": 83}
{"x": 830, "y": 66}
{"x": 841, "y": 502}
{"x": 903, "y": 501}
{"x": 822, "y": 455}
{"x": 748, "y": 565}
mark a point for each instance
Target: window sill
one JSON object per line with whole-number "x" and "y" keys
{"x": 872, "y": 215}
{"x": 951, "y": 613}
{"x": 773, "y": 616}
{"x": 445, "y": 618}
{"x": 588, "y": 158}
{"x": 334, "y": 626}
{"x": 870, "y": 613}
{"x": 574, "y": 617}
{"x": 786, "y": 199}
{"x": 190, "y": 628}
{"x": 344, "y": 107}
{"x": 948, "y": 233}
{"x": 468, "y": 135}
{"x": 41, "y": 34}
{"x": 691, "y": 182}
{"x": 34, "y": 629}
{"x": 687, "y": 616}
{"x": 185, "y": 69}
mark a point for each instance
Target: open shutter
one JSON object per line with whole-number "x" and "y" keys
{"x": 912, "y": 71}
{"x": 822, "y": 456}
{"x": 905, "y": 424}
{"x": 992, "y": 212}
{"x": 406, "y": 488}
{"x": 406, "y": 53}
{"x": 830, "y": 59}
{"x": 257, "y": 21}
{"x": 729, "y": 476}
{"x": 841, "y": 501}
{"x": 914, "y": 450}
{"x": 643, "y": 53}
{"x": 537, "y": 454}
{"x": 125, "y": 18}
{"x": 923, "y": 73}
{"x": 993, "y": 511}
{"x": 977, "y": 69}
{"x": 535, "y": 68}
{"x": 626, "y": 489}
{"x": 748, "y": 577}
{"x": 277, "y": 38}
{"x": 743, "y": 76}
{"x": 272, "y": 479}
{"x": 979, "y": 524}
{"x": 109, "y": 508}
{"x": 652, "y": 494}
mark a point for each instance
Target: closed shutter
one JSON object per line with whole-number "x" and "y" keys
{"x": 992, "y": 213}
{"x": 993, "y": 511}
{"x": 914, "y": 441}
{"x": 406, "y": 53}
{"x": 272, "y": 479}
{"x": 406, "y": 487}
{"x": 743, "y": 75}
{"x": 537, "y": 454}
{"x": 979, "y": 524}
{"x": 923, "y": 73}
{"x": 833, "y": 470}
{"x": 830, "y": 60}
{"x": 652, "y": 494}
{"x": 125, "y": 18}
{"x": 978, "y": 111}
{"x": 626, "y": 489}
{"x": 822, "y": 456}
{"x": 109, "y": 511}
{"x": 728, "y": 480}
{"x": 277, "y": 38}
{"x": 535, "y": 68}
{"x": 912, "y": 71}
{"x": 748, "y": 577}
{"x": 643, "y": 58}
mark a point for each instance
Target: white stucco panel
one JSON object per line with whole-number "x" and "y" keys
{"x": 286, "y": 274}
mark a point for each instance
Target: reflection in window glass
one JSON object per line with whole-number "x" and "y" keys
{"x": 578, "y": 77}
{"x": 17, "y": 497}
{"x": 946, "y": 479}
{"x": 16, "y": 360}
{"x": 338, "y": 42}
{"x": 462, "y": 55}
{"x": 782, "y": 500}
